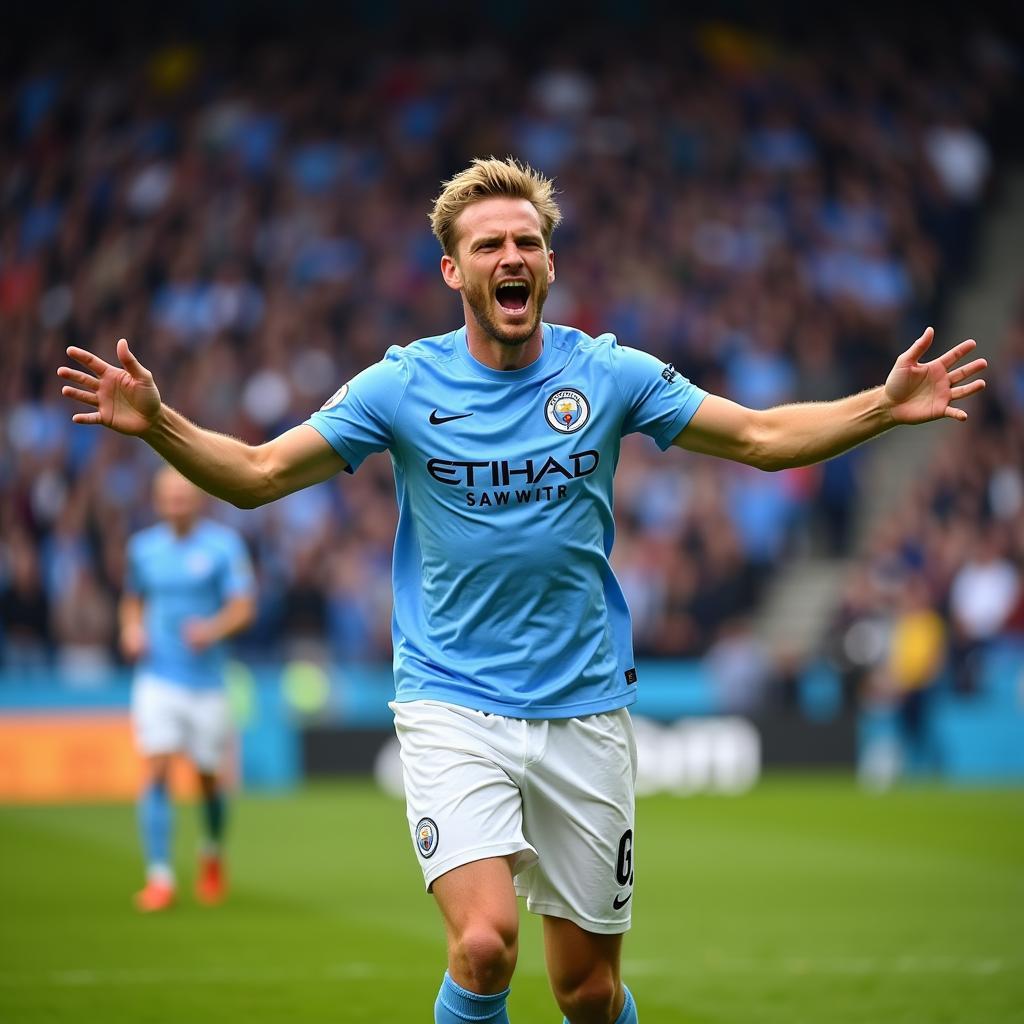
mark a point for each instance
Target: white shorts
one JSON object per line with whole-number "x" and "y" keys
{"x": 557, "y": 794}
{"x": 173, "y": 719}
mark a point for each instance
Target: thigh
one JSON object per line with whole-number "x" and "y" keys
{"x": 157, "y": 717}
{"x": 209, "y": 729}
{"x": 578, "y": 814}
{"x": 480, "y": 891}
{"x": 481, "y": 917}
{"x": 462, "y": 800}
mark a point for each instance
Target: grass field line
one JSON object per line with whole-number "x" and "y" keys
{"x": 980, "y": 966}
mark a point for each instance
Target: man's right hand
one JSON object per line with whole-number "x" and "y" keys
{"x": 126, "y": 400}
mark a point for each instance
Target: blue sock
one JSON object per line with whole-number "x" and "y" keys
{"x": 156, "y": 816}
{"x": 214, "y": 816}
{"x": 628, "y": 1015}
{"x": 455, "y": 1005}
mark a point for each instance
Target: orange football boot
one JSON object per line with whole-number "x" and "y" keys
{"x": 211, "y": 884}
{"x": 156, "y": 896}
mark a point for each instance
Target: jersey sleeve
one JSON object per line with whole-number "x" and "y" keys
{"x": 357, "y": 419}
{"x": 660, "y": 401}
{"x": 238, "y": 575}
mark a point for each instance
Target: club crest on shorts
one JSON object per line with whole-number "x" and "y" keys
{"x": 426, "y": 837}
{"x": 567, "y": 410}
{"x": 336, "y": 398}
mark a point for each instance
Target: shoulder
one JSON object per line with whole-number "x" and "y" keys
{"x": 147, "y": 539}
{"x": 577, "y": 345}
{"x": 424, "y": 351}
{"x": 573, "y": 340}
{"x": 387, "y": 378}
{"x": 218, "y": 536}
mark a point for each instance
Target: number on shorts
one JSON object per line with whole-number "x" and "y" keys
{"x": 624, "y": 863}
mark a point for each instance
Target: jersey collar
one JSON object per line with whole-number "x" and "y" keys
{"x": 506, "y": 376}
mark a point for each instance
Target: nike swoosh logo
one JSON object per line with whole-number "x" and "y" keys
{"x": 435, "y": 419}
{"x": 618, "y": 904}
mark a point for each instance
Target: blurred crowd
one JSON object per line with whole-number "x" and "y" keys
{"x": 777, "y": 218}
{"x": 941, "y": 579}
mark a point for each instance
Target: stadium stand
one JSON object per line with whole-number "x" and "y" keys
{"x": 775, "y": 215}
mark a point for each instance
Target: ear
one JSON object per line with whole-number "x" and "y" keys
{"x": 551, "y": 266}
{"x": 451, "y": 274}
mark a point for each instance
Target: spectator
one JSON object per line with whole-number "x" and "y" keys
{"x": 984, "y": 594}
{"x": 757, "y": 228}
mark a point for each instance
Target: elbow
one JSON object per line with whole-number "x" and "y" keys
{"x": 254, "y": 498}
{"x": 247, "y": 615}
{"x": 761, "y": 448}
{"x": 770, "y": 463}
{"x": 261, "y": 487}
{"x": 248, "y": 500}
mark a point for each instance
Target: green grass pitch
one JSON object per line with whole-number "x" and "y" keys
{"x": 804, "y": 902}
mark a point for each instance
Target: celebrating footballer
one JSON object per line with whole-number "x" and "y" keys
{"x": 512, "y": 651}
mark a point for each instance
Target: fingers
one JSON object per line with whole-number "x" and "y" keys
{"x": 84, "y": 380}
{"x": 88, "y": 359}
{"x": 87, "y": 417}
{"x": 98, "y": 366}
{"x": 963, "y": 372}
{"x": 922, "y": 345}
{"x": 962, "y": 392}
{"x": 88, "y": 397}
{"x": 128, "y": 360}
{"x": 955, "y": 354}
{"x": 966, "y": 389}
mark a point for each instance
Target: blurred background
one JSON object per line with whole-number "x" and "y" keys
{"x": 777, "y": 206}
{"x": 775, "y": 198}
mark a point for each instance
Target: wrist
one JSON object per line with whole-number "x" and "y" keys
{"x": 883, "y": 407}
{"x": 158, "y": 425}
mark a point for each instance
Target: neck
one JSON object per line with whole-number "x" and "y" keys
{"x": 498, "y": 355}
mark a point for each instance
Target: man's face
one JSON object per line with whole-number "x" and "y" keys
{"x": 502, "y": 267}
{"x": 177, "y": 500}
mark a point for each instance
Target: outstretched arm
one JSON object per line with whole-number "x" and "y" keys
{"x": 797, "y": 435}
{"x": 126, "y": 399}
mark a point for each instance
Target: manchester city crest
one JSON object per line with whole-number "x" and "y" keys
{"x": 567, "y": 410}
{"x": 426, "y": 837}
{"x": 337, "y": 397}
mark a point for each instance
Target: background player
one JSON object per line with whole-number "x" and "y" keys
{"x": 189, "y": 587}
{"x": 496, "y": 634}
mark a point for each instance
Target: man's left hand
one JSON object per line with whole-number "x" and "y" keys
{"x": 918, "y": 392}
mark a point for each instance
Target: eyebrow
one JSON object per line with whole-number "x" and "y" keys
{"x": 524, "y": 236}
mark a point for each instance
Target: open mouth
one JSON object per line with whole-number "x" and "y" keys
{"x": 513, "y": 296}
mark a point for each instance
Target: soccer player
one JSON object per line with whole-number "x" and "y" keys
{"x": 189, "y": 587}
{"x": 513, "y": 657}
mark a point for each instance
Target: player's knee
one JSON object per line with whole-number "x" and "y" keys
{"x": 208, "y": 783}
{"x": 486, "y": 956}
{"x": 590, "y": 998}
{"x": 159, "y": 770}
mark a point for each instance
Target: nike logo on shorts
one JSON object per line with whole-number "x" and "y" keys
{"x": 435, "y": 419}
{"x": 618, "y": 904}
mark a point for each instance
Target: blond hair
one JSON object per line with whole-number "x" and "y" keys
{"x": 487, "y": 178}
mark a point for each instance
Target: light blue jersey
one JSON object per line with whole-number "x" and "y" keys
{"x": 182, "y": 578}
{"x": 504, "y": 597}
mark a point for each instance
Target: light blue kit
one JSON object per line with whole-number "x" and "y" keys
{"x": 505, "y": 600}
{"x": 182, "y": 578}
